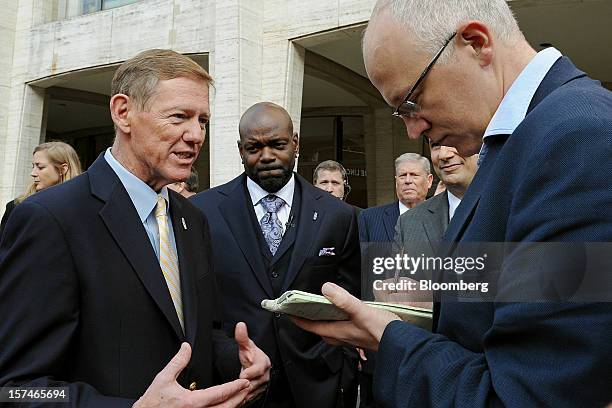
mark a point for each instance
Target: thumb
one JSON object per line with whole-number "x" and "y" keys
{"x": 178, "y": 362}
{"x": 241, "y": 335}
{"x": 340, "y": 297}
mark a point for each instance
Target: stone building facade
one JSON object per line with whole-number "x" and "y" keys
{"x": 57, "y": 58}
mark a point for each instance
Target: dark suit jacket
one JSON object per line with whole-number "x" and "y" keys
{"x": 84, "y": 303}
{"x": 424, "y": 223}
{"x": 545, "y": 182}
{"x": 10, "y": 206}
{"x": 377, "y": 224}
{"x": 420, "y": 230}
{"x": 376, "y": 228}
{"x": 246, "y": 277}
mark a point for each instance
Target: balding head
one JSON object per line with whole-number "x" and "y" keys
{"x": 264, "y": 117}
{"x": 474, "y": 42}
{"x": 267, "y": 145}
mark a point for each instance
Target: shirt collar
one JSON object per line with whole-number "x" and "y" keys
{"x": 513, "y": 107}
{"x": 143, "y": 197}
{"x": 257, "y": 193}
{"x": 453, "y": 203}
{"x": 402, "y": 208}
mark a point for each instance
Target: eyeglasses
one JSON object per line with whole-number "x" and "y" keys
{"x": 409, "y": 108}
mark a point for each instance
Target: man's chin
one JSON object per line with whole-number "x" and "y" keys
{"x": 272, "y": 184}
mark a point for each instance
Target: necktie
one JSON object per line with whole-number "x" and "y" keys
{"x": 168, "y": 259}
{"x": 270, "y": 224}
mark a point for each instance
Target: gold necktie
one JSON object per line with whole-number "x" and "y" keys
{"x": 168, "y": 259}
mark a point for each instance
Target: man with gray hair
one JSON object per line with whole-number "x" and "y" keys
{"x": 461, "y": 73}
{"x": 413, "y": 179}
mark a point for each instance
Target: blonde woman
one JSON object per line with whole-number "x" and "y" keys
{"x": 52, "y": 163}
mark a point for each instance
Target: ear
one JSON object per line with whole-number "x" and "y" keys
{"x": 429, "y": 180}
{"x": 120, "y": 108}
{"x": 63, "y": 169}
{"x": 296, "y": 141}
{"x": 478, "y": 37}
{"x": 240, "y": 150}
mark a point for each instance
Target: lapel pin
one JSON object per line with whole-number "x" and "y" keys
{"x": 184, "y": 224}
{"x": 315, "y": 215}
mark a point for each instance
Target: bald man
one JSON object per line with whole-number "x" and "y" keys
{"x": 272, "y": 232}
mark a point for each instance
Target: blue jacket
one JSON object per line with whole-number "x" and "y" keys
{"x": 550, "y": 181}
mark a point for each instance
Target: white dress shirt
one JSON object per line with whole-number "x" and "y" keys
{"x": 402, "y": 208}
{"x": 453, "y": 203}
{"x": 286, "y": 193}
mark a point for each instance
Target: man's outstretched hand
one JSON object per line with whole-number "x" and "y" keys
{"x": 255, "y": 363}
{"x": 365, "y": 325}
{"x": 164, "y": 391}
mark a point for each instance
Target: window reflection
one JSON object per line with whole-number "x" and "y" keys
{"x": 91, "y": 6}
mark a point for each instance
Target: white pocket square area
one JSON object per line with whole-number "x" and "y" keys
{"x": 327, "y": 251}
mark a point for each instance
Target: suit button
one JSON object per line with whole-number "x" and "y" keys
{"x": 274, "y": 274}
{"x": 277, "y": 315}
{"x": 193, "y": 386}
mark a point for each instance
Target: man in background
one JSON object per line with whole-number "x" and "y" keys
{"x": 419, "y": 232}
{"x": 329, "y": 175}
{"x": 428, "y": 221}
{"x": 413, "y": 179}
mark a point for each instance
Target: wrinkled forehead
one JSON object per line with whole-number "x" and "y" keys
{"x": 410, "y": 167}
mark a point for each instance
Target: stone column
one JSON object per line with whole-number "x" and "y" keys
{"x": 235, "y": 64}
{"x": 385, "y": 142}
{"x": 21, "y": 105}
{"x": 8, "y": 21}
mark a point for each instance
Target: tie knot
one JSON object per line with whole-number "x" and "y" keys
{"x": 272, "y": 203}
{"x": 160, "y": 208}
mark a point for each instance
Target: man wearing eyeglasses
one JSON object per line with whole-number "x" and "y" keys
{"x": 463, "y": 75}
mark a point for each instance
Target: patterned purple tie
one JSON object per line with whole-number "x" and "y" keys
{"x": 270, "y": 224}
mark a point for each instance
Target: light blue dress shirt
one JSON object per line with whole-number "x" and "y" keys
{"x": 513, "y": 107}
{"x": 144, "y": 199}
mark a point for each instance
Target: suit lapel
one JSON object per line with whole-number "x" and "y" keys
{"x": 309, "y": 222}
{"x": 184, "y": 247}
{"x": 390, "y": 217}
{"x": 467, "y": 207}
{"x": 235, "y": 209}
{"x": 289, "y": 235}
{"x": 436, "y": 223}
{"x": 123, "y": 223}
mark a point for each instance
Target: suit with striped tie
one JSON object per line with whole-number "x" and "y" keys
{"x": 84, "y": 301}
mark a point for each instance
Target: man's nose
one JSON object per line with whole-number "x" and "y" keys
{"x": 267, "y": 154}
{"x": 415, "y": 127}
{"x": 445, "y": 153}
{"x": 195, "y": 133}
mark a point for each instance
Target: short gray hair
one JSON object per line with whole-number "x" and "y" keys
{"x": 413, "y": 158}
{"x": 433, "y": 21}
